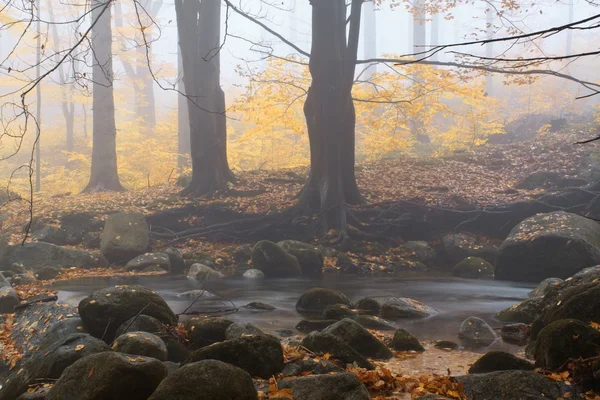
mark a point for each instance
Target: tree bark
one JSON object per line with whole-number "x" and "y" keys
{"x": 330, "y": 114}
{"x": 144, "y": 93}
{"x": 104, "y": 174}
{"x": 199, "y": 27}
{"x": 183, "y": 123}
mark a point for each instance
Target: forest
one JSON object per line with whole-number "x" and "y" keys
{"x": 299, "y": 199}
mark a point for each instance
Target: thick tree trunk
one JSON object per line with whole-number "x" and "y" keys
{"x": 183, "y": 123}
{"x": 144, "y": 93}
{"x": 104, "y": 174}
{"x": 330, "y": 114}
{"x": 69, "y": 114}
{"x": 419, "y": 41}
{"x": 199, "y": 37}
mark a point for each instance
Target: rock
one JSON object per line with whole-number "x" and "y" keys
{"x": 458, "y": 246}
{"x": 259, "y": 355}
{"x": 208, "y": 379}
{"x": 105, "y": 310}
{"x": 525, "y": 312}
{"x": 400, "y": 307}
{"x": 243, "y": 253}
{"x": 564, "y": 339}
{"x": 322, "y": 343}
{"x": 160, "y": 260}
{"x": 141, "y": 344}
{"x": 538, "y": 180}
{"x": 580, "y": 302}
{"x": 91, "y": 240}
{"x": 515, "y": 333}
{"x": 314, "y": 301}
{"x": 254, "y": 273}
{"x": 404, "y": 341}
{"x": 399, "y": 267}
{"x": 326, "y": 387}
{"x": 545, "y": 286}
{"x": 142, "y": 323}
{"x": 311, "y": 366}
{"x": 475, "y": 332}
{"x": 39, "y": 255}
{"x": 8, "y": 300}
{"x": 372, "y": 322}
{"x": 557, "y": 244}
{"x": 125, "y": 236}
{"x": 194, "y": 294}
{"x": 446, "y": 345}
{"x": 360, "y": 339}
{"x": 368, "y": 305}
{"x": 109, "y": 375}
{"x": 60, "y": 330}
{"x": 38, "y": 394}
{"x": 50, "y": 234}
{"x": 310, "y": 258}
{"x": 79, "y": 224}
{"x": 284, "y": 333}
{"x": 176, "y": 351}
{"x": 176, "y": 262}
{"x": 23, "y": 279}
{"x": 473, "y": 267}
{"x": 51, "y": 363}
{"x": 499, "y": 361}
{"x": 202, "y": 273}
{"x": 17, "y": 268}
{"x": 338, "y": 312}
{"x": 48, "y": 273}
{"x": 235, "y": 331}
{"x": 204, "y": 331}
{"x": 419, "y": 251}
{"x": 274, "y": 261}
{"x": 431, "y": 396}
{"x": 510, "y": 385}
{"x": 6, "y": 274}
{"x": 307, "y": 325}
{"x": 258, "y": 306}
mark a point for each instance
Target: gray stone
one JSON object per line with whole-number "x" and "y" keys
{"x": 125, "y": 236}
{"x": 458, "y": 246}
{"x": 254, "y": 273}
{"x": 510, "y": 385}
{"x": 202, "y": 273}
{"x": 545, "y": 286}
{"x": 273, "y": 261}
{"x": 204, "y": 331}
{"x": 373, "y": 322}
{"x": 515, "y": 333}
{"x": 326, "y": 387}
{"x": 404, "y": 341}
{"x": 418, "y": 250}
{"x": 141, "y": 344}
{"x": 258, "y": 306}
{"x": 235, "y": 331}
{"x": 322, "y": 343}
{"x": 314, "y": 301}
{"x": 176, "y": 261}
{"x": 48, "y": 273}
{"x": 525, "y": 312}
{"x": 38, "y": 255}
{"x": 360, "y": 339}
{"x": 475, "y": 332}
{"x": 8, "y": 300}
{"x": 368, "y": 305}
{"x": 400, "y": 307}
{"x": 474, "y": 268}
{"x": 499, "y": 361}
{"x": 160, "y": 260}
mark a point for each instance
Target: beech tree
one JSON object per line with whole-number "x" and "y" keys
{"x": 199, "y": 26}
{"x": 104, "y": 174}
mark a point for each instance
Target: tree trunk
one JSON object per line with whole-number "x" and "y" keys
{"x": 183, "y": 123}
{"x": 104, "y": 174}
{"x": 144, "y": 93}
{"x": 69, "y": 114}
{"x": 489, "y": 48}
{"x": 419, "y": 43}
{"x": 38, "y": 113}
{"x": 330, "y": 114}
{"x": 199, "y": 37}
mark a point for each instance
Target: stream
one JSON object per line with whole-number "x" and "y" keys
{"x": 454, "y": 298}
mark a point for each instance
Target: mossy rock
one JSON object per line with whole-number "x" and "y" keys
{"x": 473, "y": 267}
{"x": 499, "y": 361}
{"x": 274, "y": 261}
{"x": 315, "y": 300}
{"x": 404, "y": 341}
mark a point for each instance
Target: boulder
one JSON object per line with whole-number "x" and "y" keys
{"x": 141, "y": 344}
{"x": 310, "y": 366}
{"x": 38, "y": 394}
{"x": 458, "y": 246}
{"x": 360, "y": 339}
{"x": 160, "y": 260}
{"x": 38, "y": 255}
{"x": 525, "y": 312}
{"x": 259, "y": 355}
{"x": 258, "y": 306}
{"x": 326, "y": 387}
{"x": 557, "y": 244}
{"x": 47, "y": 273}
{"x": 142, "y": 323}
{"x": 419, "y": 251}
{"x": 545, "y": 286}
{"x": 50, "y": 234}
{"x": 23, "y": 279}
{"x": 202, "y": 273}
{"x": 204, "y": 331}
{"x": 401, "y": 307}
{"x": 475, "y": 332}
{"x": 125, "y": 236}
{"x": 446, "y": 345}
{"x": 60, "y": 330}
{"x": 499, "y": 361}
{"x": 368, "y": 305}
{"x": 105, "y": 310}
{"x": 242, "y": 253}
{"x": 3, "y": 281}
{"x": 176, "y": 262}
{"x": 404, "y": 341}
{"x": 235, "y": 331}
{"x": 373, "y": 322}
{"x": 510, "y": 385}
{"x": 309, "y": 325}
{"x": 515, "y": 333}
{"x": 539, "y": 180}
{"x": 273, "y": 261}
{"x": 51, "y": 363}
{"x": 338, "y": 312}
{"x": 177, "y": 351}
{"x": 310, "y": 258}
{"x": 8, "y": 300}
{"x": 253, "y": 273}
{"x": 109, "y": 375}
{"x": 208, "y": 379}
{"x": 323, "y": 343}
{"x": 314, "y": 301}
{"x": 474, "y": 268}
{"x": 564, "y": 339}
{"x": 580, "y": 302}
